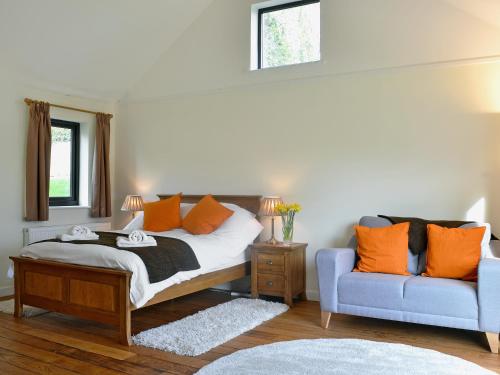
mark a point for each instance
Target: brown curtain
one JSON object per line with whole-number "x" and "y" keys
{"x": 38, "y": 162}
{"x": 101, "y": 199}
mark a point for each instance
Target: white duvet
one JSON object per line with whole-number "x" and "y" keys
{"x": 214, "y": 252}
{"x": 220, "y": 249}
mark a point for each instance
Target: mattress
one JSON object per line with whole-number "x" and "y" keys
{"x": 214, "y": 252}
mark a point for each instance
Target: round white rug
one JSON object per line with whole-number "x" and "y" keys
{"x": 339, "y": 357}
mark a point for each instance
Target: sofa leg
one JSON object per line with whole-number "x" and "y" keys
{"x": 325, "y": 319}
{"x": 492, "y": 341}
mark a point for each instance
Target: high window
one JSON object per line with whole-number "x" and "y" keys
{"x": 64, "y": 163}
{"x": 288, "y": 34}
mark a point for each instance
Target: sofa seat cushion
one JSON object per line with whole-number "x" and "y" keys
{"x": 379, "y": 290}
{"x": 437, "y": 296}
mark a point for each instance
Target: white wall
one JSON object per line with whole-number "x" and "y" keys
{"x": 353, "y": 135}
{"x": 14, "y": 125}
{"x": 416, "y": 141}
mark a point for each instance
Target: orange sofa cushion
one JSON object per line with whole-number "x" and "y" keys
{"x": 206, "y": 216}
{"x": 383, "y": 250}
{"x": 163, "y": 215}
{"x": 453, "y": 253}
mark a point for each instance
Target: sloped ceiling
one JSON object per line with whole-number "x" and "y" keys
{"x": 358, "y": 36}
{"x": 104, "y": 48}
{"x": 97, "y": 48}
{"x": 486, "y": 10}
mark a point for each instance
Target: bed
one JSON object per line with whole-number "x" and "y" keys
{"x": 104, "y": 294}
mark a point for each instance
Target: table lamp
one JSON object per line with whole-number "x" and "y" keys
{"x": 268, "y": 208}
{"x": 133, "y": 203}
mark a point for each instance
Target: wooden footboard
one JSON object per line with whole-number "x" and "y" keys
{"x": 99, "y": 294}
{"x": 94, "y": 293}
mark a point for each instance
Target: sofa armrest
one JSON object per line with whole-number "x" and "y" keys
{"x": 331, "y": 264}
{"x": 489, "y": 295}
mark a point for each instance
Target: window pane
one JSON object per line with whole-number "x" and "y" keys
{"x": 60, "y": 163}
{"x": 291, "y": 36}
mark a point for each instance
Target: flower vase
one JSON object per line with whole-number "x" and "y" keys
{"x": 287, "y": 230}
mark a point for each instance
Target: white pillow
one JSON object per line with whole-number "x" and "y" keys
{"x": 236, "y": 222}
{"x": 236, "y": 208}
{"x": 485, "y": 243}
{"x": 239, "y": 231}
{"x": 136, "y": 223}
{"x": 185, "y": 208}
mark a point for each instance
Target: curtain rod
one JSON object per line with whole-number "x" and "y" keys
{"x": 28, "y": 101}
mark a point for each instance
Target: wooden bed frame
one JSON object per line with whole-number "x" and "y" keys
{"x": 103, "y": 294}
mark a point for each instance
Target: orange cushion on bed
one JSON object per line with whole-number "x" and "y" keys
{"x": 163, "y": 215}
{"x": 206, "y": 216}
{"x": 383, "y": 250}
{"x": 453, "y": 253}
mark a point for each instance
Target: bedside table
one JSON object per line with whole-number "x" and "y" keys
{"x": 279, "y": 270}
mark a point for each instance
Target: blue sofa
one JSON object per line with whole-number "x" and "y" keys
{"x": 415, "y": 299}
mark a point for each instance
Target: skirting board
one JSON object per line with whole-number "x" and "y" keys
{"x": 312, "y": 295}
{"x": 6, "y": 291}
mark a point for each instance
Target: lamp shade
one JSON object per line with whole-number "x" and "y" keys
{"x": 133, "y": 203}
{"x": 268, "y": 206}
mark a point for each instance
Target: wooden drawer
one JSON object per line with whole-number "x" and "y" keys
{"x": 270, "y": 263}
{"x": 270, "y": 283}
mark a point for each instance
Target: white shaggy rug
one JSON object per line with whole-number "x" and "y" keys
{"x": 28, "y": 311}
{"x": 341, "y": 357}
{"x": 198, "y": 333}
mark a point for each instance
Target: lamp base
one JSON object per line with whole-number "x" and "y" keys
{"x": 272, "y": 241}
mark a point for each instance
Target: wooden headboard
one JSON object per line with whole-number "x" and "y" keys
{"x": 248, "y": 202}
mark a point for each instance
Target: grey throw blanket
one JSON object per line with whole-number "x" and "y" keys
{"x": 417, "y": 241}
{"x": 170, "y": 256}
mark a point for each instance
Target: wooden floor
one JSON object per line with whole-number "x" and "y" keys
{"x": 57, "y": 344}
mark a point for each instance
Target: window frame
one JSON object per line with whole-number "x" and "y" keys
{"x": 261, "y": 11}
{"x": 74, "y": 198}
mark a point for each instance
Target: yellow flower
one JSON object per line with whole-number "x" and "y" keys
{"x": 283, "y": 208}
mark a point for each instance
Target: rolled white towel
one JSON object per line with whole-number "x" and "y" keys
{"x": 79, "y": 233}
{"x": 80, "y": 230}
{"x": 126, "y": 242}
{"x": 138, "y": 236}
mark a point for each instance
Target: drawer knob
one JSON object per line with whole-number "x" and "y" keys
{"x": 270, "y": 262}
{"x": 269, "y": 283}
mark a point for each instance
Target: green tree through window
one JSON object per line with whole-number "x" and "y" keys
{"x": 290, "y": 36}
